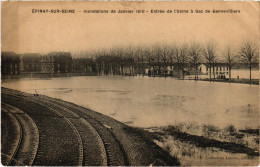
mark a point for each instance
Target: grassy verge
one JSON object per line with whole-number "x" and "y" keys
{"x": 201, "y": 141}
{"x": 186, "y": 136}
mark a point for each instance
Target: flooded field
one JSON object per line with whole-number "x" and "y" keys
{"x": 197, "y": 108}
{"x": 148, "y": 102}
{"x": 244, "y": 73}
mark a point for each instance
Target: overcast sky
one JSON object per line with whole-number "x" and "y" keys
{"x": 24, "y": 31}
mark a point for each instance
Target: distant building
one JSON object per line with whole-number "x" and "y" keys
{"x": 220, "y": 70}
{"x": 46, "y": 64}
{"x": 62, "y": 62}
{"x": 30, "y": 63}
{"x": 54, "y": 62}
{"x": 10, "y": 63}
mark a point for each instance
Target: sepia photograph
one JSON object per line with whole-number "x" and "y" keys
{"x": 130, "y": 83}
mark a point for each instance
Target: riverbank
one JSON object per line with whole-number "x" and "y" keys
{"x": 46, "y": 75}
{"x": 196, "y": 144}
{"x": 233, "y": 80}
{"x": 187, "y": 77}
{"x": 239, "y": 81}
{"x": 124, "y": 145}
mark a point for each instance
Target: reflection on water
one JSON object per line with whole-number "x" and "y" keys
{"x": 146, "y": 102}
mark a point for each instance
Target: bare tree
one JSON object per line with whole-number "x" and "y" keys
{"x": 128, "y": 55}
{"x": 118, "y": 52}
{"x": 177, "y": 58}
{"x": 138, "y": 60}
{"x": 147, "y": 52}
{"x": 157, "y": 53}
{"x": 248, "y": 52}
{"x": 99, "y": 60}
{"x": 183, "y": 57}
{"x": 115, "y": 60}
{"x": 194, "y": 53}
{"x": 229, "y": 58}
{"x": 153, "y": 56}
{"x": 165, "y": 52}
{"x": 180, "y": 57}
{"x": 133, "y": 53}
{"x": 141, "y": 58}
{"x": 171, "y": 57}
{"x": 209, "y": 53}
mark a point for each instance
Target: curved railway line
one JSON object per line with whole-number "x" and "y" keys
{"x": 29, "y": 138}
{"x": 11, "y": 136}
{"x": 54, "y": 132}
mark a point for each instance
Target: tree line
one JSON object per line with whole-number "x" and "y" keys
{"x": 177, "y": 55}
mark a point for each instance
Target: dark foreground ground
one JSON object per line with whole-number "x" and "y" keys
{"x": 42, "y": 131}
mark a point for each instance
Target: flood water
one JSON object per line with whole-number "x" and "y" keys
{"x": 149, "y": 102}
{"x": 241, "y": 73}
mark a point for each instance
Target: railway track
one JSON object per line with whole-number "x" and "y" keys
{"x": 115, "y": 154}
{"x": 95, "y": 145}
{"x": 59, "y": 141}
{"x": 11, "y": 134}
{"x": 29, "y": 138}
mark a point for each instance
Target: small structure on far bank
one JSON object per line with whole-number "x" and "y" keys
{"x": 220, "y": 70}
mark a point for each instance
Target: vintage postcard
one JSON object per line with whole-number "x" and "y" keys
{"x": 129, "y": 83}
